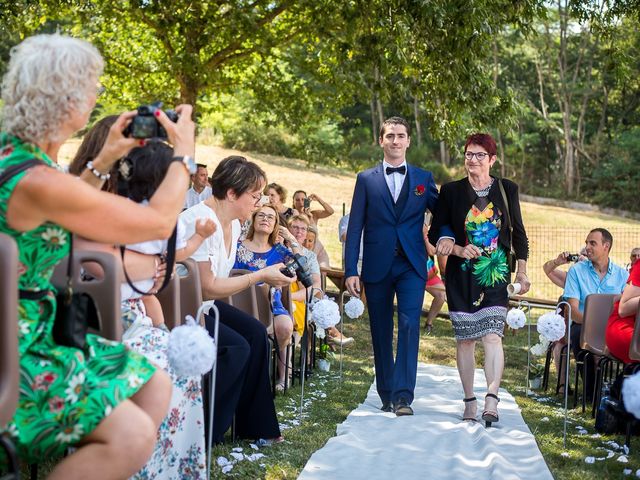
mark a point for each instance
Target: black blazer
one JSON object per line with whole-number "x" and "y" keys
{"x": 454, "y": 203}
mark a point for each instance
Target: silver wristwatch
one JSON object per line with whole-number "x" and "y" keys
{"x": 188, "y": 162}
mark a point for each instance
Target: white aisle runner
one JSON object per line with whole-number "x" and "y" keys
{"x": 434, "y": 443}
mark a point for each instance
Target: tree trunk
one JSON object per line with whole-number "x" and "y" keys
{"x": 444, "y": 153}
{"x": 416, "y": 118}
{"x": 374, "y": 125}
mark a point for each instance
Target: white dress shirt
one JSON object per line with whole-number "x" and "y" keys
{"x": 395, "y": 180}
{"x": 194, "y": 198}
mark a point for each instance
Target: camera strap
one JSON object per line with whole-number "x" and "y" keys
{"x": 171, "y": 258}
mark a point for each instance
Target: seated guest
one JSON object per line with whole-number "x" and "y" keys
{"x": 302, "y": 204}
{"x": 200, "y": 189}
{"x": 623, "y": 318}
{"x": 259, "y": 250}
{"x": 634, "y": 256}
{"x": 299, "y": 226}
{"x": 105, "y": 400}
{"x": 242, "y": 381}
{"x": 434, "y": 286}
{"x": 183, "y": 428}
{"x": 598, "y": 274}
{"x": 277, "y": 196}
{"x": 558, "y": 277}
{"x": 311, "y": 243}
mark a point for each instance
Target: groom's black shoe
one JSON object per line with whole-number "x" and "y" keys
{"x": 386, "y": 406}
{"x": 402, "y": 408}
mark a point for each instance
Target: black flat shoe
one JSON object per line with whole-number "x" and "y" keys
{"x": 469, "y": 419}
{"x": 387, "y": 407}
{"x": 490, "y": 416}
{"x": 402, "y": 408}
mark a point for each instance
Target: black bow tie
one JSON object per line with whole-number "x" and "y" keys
{"x": 401, "y": 170}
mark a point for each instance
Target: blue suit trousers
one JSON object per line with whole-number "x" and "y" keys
{"x": 396, "y": 379}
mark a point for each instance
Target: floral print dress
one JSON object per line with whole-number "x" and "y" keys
{"x": 64, "y": 392}
{"x": 477, "y": 306}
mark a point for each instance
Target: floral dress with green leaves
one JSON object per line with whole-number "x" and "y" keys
{"x": 65, "y": 392}
{"x": 478, "y": 306}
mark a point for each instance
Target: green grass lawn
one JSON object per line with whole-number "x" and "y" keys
{"x": 328, "y": 401}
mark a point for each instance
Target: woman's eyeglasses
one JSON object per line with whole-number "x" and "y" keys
{"x": 479, "y": 155}
{"x": 263, "y": 216}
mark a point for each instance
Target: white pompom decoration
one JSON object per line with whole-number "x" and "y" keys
{"x": 551, "y": 326}
{"x": 539, "y": 349}
{"x": 631, "y": 394}
{"x": 320, "y": 333}
{"x": 325, "y": 313}
{"x": 516, "y": 318}
{"x": 354, "y": 308}
{"x": 191, "y": 351}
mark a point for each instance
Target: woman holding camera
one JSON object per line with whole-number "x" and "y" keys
{"x": 242, "y": 382}
{"x": 105, "y": 400}
{"x": 480, "y": 209}
{"x": 261, "y": 249}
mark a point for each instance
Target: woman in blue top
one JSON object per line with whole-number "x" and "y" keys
{"x": 262, "y": 248}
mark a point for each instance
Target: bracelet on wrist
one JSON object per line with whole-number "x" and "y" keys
{"x": 96, "y": 172}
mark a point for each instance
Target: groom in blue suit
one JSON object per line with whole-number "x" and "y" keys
{"x": 388, "y": 207}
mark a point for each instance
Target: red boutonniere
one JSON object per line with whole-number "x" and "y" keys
{"x": 419, "y": 190}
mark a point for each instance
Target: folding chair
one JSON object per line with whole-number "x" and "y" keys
{"x": 170, "y": 302}
{"x": 597, "y": 309}
{"x": 190, "y": 289}
{"x": 9, "y": 363}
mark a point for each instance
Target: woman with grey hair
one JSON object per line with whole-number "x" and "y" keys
{"x": 104, "y": 400}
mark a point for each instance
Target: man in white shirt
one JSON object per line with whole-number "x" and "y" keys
{"x": 200, "y": 189}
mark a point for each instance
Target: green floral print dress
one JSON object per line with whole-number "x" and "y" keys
{"x": 64, "y": 392}
{"x": 477, "y": 305}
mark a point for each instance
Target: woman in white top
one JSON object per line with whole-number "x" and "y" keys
{"x": 242, "y": 382}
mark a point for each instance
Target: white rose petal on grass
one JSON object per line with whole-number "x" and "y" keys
{"x": 625, "y": 449}
{"x": 237, "y": 449}
{"x": 516, "y": 318}
{"x": 354, "y": 308}
{"x": 223, "y": 461}
{"x": 622, "y": 459}
{"x": 255, "y": 456}
{"x": 627, "y": 471}
{"x": 254, "y": 446}
{"x": 544, "y": 419}
{"x": 565, "y": 454}
{"x": 237, "y": 456}
{"x": 590, "y": 460}
{"x": 227, "y": 468}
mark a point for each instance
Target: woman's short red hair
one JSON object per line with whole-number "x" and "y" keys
{"x": 484, "y": 140}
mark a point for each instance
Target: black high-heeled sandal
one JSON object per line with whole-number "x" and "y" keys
{"x": 469, "y": 419}
{"x": 490, "y": 416}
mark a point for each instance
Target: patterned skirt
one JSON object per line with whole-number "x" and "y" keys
{"x": 475, "y": 310}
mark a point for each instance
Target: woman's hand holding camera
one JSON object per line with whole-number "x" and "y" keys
{"x": 469, "y": 251}
{"x": 273, "y": 276}
{"x": 182, "y": 134}
{"x": 116, "y": 145}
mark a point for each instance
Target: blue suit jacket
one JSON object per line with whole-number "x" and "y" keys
{"x": 372, "y": 211}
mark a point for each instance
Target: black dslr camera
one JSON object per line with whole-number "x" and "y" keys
{"x": 299, "y": 266}
{"x": 145, "y": 124}
{"x": 573, "y": 257}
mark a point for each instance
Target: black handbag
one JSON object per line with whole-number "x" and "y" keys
{"x": 511, "y": 255}
{"x": 74, "y": 311}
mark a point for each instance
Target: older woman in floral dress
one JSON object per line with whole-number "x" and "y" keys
{"x": 477, "y": 271}
{"x": 105, "y": 400}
